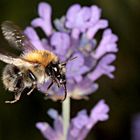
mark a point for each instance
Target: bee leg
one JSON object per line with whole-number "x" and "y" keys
{"x": 31, "y": 91}
{"x": 17, "y": 97}
{"x": 58, "y": 84}
{"x": 55, "y": 81}
{"x": 33, "y": 87}
{"x": 49, "y": 87}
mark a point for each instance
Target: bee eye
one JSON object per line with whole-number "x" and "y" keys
{"x": 55, "y": 69}
{"x": 51, "y": 69}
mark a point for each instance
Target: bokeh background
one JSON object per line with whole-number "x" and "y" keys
{"x": 17, "y": 121}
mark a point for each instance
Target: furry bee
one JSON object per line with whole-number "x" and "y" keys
{"x": 31, "y": 68}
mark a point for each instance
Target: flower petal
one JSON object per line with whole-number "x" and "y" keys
{"x": 46, "y": 131}
{"x": 103, "y": 67}
{"x": 44, "y": 21}
{"x": 61, "y": 42}
{"x": 33, "y": 37}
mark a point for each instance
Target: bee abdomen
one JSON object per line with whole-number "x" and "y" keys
{"x": 9, "y": 76}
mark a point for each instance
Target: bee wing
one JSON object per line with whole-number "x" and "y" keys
{"x": 15, "y": 61}
{"x": 15, "y": 36}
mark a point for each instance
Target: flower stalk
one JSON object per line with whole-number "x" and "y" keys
{"x": 66, "y": 116}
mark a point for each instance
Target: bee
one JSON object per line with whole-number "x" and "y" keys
{"x": 31, "y": 68}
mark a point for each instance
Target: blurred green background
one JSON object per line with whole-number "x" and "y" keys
{"x": 17, "y": 121}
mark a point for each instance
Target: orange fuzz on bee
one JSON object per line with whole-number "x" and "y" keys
{"x": 43, "y": 57}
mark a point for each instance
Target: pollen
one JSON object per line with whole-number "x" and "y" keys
{"x": 43, "y": 57}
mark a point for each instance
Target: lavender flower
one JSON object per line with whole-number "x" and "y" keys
{"x": 79, "y": 126}
{"x": 135, "y": 130}
{"x": 75, "y": 35}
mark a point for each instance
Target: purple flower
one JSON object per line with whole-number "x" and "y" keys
{"x": 84, "y": 20}
{"x": 79, "y": 126}
{"x": 74, "y": 35}
{"x": 44, "y": 20}
{"x": 49, "y": 132}
{"x": 135, "y": 130}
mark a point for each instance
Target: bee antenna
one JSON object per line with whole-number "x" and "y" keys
{"x": 72, "y": 58}
{"x": 69, "y": 59}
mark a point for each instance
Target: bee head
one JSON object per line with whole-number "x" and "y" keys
{"x": 57, "y": 72}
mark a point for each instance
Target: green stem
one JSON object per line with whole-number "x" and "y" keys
{"x": 66, "y": 116}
